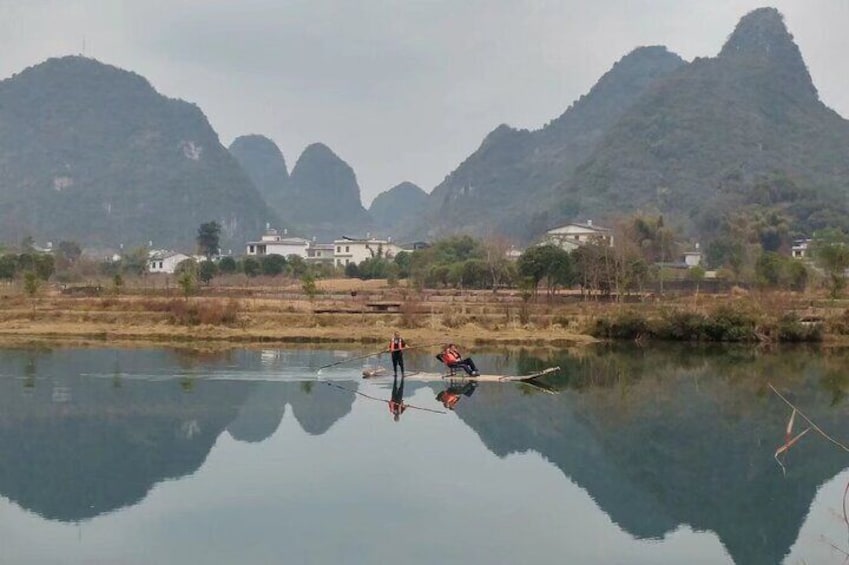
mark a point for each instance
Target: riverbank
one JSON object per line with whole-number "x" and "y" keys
{"x": 231, "y": 316}
{"x": 360, "y": 312}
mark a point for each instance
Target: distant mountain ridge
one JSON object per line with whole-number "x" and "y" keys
{"x": 398, "y": 207}
{"x": 264, "y": 163}
{"x": 326, "y": 196}
{"x": 501, "y": 184}
{"x": 693, "y": 141}
{"x": 321, "y": 198}
{"x": 697, "y": 142}
{"x": 93, "y": 153}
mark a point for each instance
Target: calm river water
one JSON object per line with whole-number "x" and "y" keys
{"x": 661, "y": 455}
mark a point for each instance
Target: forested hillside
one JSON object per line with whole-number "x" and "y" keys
{"x": 745, "y": 128}
{"x": 397, "y": 208}
{"x": 503, "y": 183}
{"x": 93, "y": 153}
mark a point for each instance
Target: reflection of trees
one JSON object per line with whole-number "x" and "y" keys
{"x": 664, "y": 437}
{"x": 190, "y": 359}
{"x": 608, "y": 365}
{"x": 835, "y": 378}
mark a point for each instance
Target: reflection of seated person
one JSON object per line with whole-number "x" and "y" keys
{"x": 451, "y": 395}
{"x": 453, "y": 359}
{"x": 396, "y": 403}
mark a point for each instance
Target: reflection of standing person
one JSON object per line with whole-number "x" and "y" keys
{"x": 396, "y": 403}
{"x": 396, "y": 347}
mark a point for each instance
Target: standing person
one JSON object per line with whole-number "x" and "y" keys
{"x": 453, "y": 359}
{"x": 396, "y": 403}
{"x": 396, "y": 347}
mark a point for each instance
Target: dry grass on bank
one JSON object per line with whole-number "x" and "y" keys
{"x": 278, "y": 312}
{"x": 252, "y": 319}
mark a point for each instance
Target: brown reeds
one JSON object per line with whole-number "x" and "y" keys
{"x": 789, "y": 439}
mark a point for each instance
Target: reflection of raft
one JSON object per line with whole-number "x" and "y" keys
{"x": 379, "y": 373}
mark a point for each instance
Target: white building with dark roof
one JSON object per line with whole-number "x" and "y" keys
{"x": 164, "y": 261}
{"x": 572, "y": 236}
{"x": 272, "y": 243}
{"x": 801, "y": 248}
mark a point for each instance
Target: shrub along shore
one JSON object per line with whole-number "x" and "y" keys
{"x": 354, "y": 311}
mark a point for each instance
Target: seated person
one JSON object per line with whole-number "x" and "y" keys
{"x": 453, "y": 359}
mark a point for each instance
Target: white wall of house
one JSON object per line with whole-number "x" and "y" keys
{"x": 321, "y": 253}
{"x": 572, "y": 236}
{"x": 692, "y": 259}
{"x": 165, "y": 263}
{"x": 349, "y": 250}
{"x": 281, "y": 246}
{"x": 800, "y": 248}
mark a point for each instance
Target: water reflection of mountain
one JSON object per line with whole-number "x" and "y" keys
{"x": 657, "y": 445}
{"x": 315, "y": 411}
{"x": 80, "y": 437}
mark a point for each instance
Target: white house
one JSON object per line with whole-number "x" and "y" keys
{"x": 801, "y": 248}
{"x": 692, "y": 259}
{"x": 572, "y": 236}
{"x": 162, "y": 261}
{"x": 272, "y": 243}
{"x": 321, "y": 253}
{"x": 356, "y": 250}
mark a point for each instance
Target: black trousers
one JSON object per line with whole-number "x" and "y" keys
{"x": 466, "y": 364}
{"x": 398, "y": 361}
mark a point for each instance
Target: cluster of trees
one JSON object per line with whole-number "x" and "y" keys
{"x": 463, "y": 261}
{"x": 830, "y": 250}
{"x": 748, "y": 247}
{"x": 751, "y": 246}
{"x": 13, "y": 265}
{"x": 267, "y": 265}
{"x": 459, "y": 261}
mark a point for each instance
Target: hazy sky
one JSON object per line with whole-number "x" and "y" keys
{"x": 402, "y": 90}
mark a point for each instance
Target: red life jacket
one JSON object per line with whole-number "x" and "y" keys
{"x": 450, "y": 357}
{"x": 396, "y": 344}
{"x": 450, "y": 399}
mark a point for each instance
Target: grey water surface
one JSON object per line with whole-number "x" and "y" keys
{"x": 646, "y": 456}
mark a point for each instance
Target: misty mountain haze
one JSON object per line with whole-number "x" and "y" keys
{"x": 92, "y": 153}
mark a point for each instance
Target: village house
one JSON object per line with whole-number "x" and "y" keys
{"x": 272, "y": 243}
{"x": 572, "y": 236}
{"x": 356, "y": 250}
{"x": 513, "y": 253}
{"x": 322, "y": 253}
{"x": 163, "y": 261}
{"x": 693, "y": 258}
{"x": 800, "y": 249}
